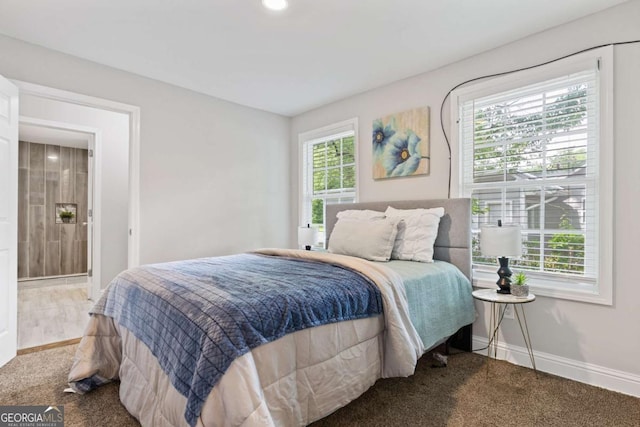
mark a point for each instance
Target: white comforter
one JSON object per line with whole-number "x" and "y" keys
{"x": 295, "y": 380}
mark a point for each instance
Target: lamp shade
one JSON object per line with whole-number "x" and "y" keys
{"x": 501, "y": 241}
{"x": 307, "y": 236}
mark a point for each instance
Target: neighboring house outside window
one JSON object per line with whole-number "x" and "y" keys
{"x": 535, "y": 149}
{"x": 328, "y": 173}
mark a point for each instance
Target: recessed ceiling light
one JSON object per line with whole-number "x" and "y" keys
{"x": 275, "y": 4}
{"x": 52, "y": 157}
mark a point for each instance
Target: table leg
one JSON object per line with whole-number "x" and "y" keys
{"x": 525, "y": 336}
{"x": 495, "y": 319}
{"x": 490, "y": 334}
{"x": 496, "y": 322}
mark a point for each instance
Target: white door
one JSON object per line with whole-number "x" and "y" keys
{"x": 8, "y": 220}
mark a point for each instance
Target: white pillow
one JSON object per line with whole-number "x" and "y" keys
{"x": 360, "y": 214}
{"x": 416, "y": 233}
{"x": 369, "y": 239}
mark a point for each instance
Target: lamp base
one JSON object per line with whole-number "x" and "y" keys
{"x": 504, "y": 282}
{"x": 504, "y": 290}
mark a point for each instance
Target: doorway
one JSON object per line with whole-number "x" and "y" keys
{"x": 56, "y": 166}
{"x": 112, "y": 133}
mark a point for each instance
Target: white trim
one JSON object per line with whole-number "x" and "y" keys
{"x": 134, "y": 187}
{"x": 587, "y": 373}
{"x": 134, "y": 149}
{"x": 94, "y": 203}
{"x": 335, "y": 128}
{"x": 605, "y": 178}
{"x": 561, "y": 289}
{"x": 9, "y": 222}
{"x": 96, "y": 233}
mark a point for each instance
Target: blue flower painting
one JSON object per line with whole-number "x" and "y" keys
{"x": 401, "y": 155}
{"x": 401, "y": 144}
{"x": 381, "y": 135}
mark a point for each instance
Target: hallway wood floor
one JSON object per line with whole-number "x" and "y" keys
{"x": 50, "y": 312}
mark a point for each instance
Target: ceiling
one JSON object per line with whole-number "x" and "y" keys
{"x": 315, "y": 52}
{"x": 53, "y": 136}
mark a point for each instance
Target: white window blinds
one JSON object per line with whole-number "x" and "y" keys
{"x": 328, "y": 172}
{"x": 530, "y": 156}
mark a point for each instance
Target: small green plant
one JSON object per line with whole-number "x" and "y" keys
{"x": 519, "y": 279}
{"x": 66, "y": 214}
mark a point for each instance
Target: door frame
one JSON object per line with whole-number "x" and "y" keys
{"x": 134, "y": 150}
{"x": 94, "y": 198}
{"x": 9, "y": 108}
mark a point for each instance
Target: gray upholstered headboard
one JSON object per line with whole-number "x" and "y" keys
{"x": 453, "y": 243}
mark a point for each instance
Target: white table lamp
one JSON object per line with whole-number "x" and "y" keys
{"x": 307, "y": 236}
{"x": 502, "y": 241}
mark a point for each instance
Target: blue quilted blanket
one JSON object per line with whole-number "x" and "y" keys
{"x": 197, "y": 316}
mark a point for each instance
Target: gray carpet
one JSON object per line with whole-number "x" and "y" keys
{"x": 462, "y": 394}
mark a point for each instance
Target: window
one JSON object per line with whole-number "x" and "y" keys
{"x": 535, "y": 149}
{"x": 495, "y": 210}
{"x": 329, "y": 173}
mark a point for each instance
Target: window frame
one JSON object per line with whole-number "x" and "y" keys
{"x": 600, "y": 292}
{"x": 335, "y": 130}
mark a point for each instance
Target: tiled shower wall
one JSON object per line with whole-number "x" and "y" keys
{"x": 50, "y": 174}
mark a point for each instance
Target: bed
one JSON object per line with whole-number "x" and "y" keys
{"x": 315, "y": 361}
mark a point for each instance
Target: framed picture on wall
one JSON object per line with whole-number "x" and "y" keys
{"x": 66, "y": 213}
{"x": 401, "y": 144}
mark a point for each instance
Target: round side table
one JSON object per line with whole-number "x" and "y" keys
{"x": 499, "y": 304}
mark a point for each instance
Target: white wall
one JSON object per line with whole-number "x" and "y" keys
{"x": 214, "y": 176}
{"x": 602, "y": 338}
{"x": 114, "y": 159}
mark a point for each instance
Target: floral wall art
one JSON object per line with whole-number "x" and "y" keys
{"x": 401, "y": 144}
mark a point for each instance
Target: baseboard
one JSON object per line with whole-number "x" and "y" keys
{"x": 588, "y": 373}
{"x": 47, "y": 346}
